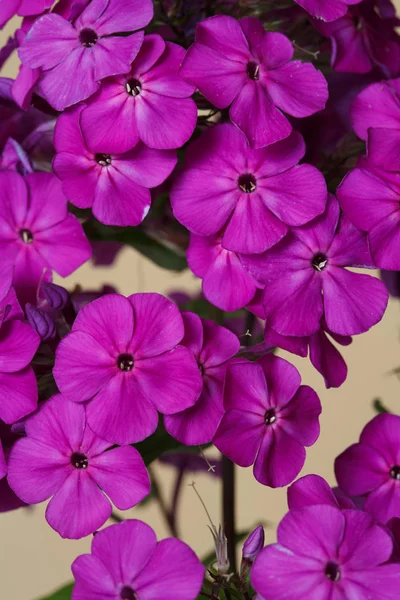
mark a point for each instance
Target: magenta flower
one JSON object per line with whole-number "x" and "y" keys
{"x": 123, "y": 359}
{"x": 306, "y": 279}
{"x": 168, "y": 569}
{"x": 238, "y": 63}
{"x": 36, "y": 232}
{"x": 150, "y": 103}
{"x": 226, "y": 282}
{"x": 363, "y": 38}
{"x": 24, "y": 8}
{"x": 116, "y": 187}
{"x": 18, "y": 345}
{"x": 87, "y": 51}
{"x": 327, "y": 10}
{"x": 370, "y": 200}
{"x": 371, "y": 468}
{"x": 212, "y": 346}
{"x": 269, "y": 419}
{"x": 62, "y": 459}
{"x": 226, "y": 184}
{"x": 323, "y": 552}
{"x": 377, "y": 106}
{"x": 324, "y": 355}
{"x": 313, "y": 489}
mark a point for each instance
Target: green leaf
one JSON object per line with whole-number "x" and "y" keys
{"x": 161, "y": 254}
{"x": 62, "y": 594}
{"x": 155, "y": 445}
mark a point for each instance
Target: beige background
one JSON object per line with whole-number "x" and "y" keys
{"x": 34, "y": 560}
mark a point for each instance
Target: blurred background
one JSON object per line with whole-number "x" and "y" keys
{"x": 34, "y": 560}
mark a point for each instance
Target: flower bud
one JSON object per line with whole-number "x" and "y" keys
{"x": 221, "y": 549}
{"x": 41, "y": 322}
{"x": 56, "y": 296}
{"x": 251, "y": 548}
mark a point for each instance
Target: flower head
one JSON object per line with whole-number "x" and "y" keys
{"x": 128, "y": 563}
{"x": 23, "y": 8}
{"x": 323, "y": 552}
{"x": 269, "y": 419}
{"x": 18, "y": 345}
{"x": 369, "y": 198}
{"x": 150, "y": 103}
{"x": 87, "y": 51}
{"x": 61, "y": 458}
{"x": 123, "y": 359}
{"x": 363, "y": 38}
{"x": 226, "y": 185}
{"x": 327, "y": 10}
{"x": 377, "y": 107}
{"x": 212, "y": 347}
{"x": 115, "y": 186}
{"x": 372, "y": 468}
{"x": 238, "y": 63}
{"x": 306, "y": 279}
{"x": 37, "y": 234}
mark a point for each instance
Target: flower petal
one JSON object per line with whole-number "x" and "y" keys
{"x": 173, "y": 573}
{"x": 155, "y": 127}
{"x": 79, "y": 507}
{"x": 18, "y": 395}
{"x": 353, "y": 302}
{"x": 315, "y": 531}
{"x": 121, "y": 413}
{"x": 82, "y": 367}
{"x": 264, "y": 124}
{"x": 158, "y": 325}
{"x": 121, "y": 474}
{"x": 18, "y": 345}
{"x": 279, "y": 459}
{"x": 36, "y": 470}
{"x": 239, "y": 436}
{"x": 197, "y": 425}
{"x": 171, "y": 381}
{"x": 125, "y": 548}
{"x": 290, "y": 85}
{"x": 360, "y": 469}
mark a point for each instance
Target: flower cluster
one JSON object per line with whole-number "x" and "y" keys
{"x": 205, "y": 135}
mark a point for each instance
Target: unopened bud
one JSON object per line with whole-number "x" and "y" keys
{"x": 56, "y": 296}
{"x": 41, "y": 322}
{"x": 251, "y": 548}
